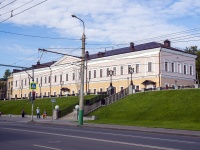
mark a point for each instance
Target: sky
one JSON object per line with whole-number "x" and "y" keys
{"x": 29, "y": 25}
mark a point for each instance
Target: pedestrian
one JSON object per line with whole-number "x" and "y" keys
{"x": 38, "y": 112}
{"x": 23, "y": 113}
{"x": 44, "y": 114}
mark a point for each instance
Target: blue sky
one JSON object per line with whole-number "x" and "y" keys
{"x": 116, "y": 22}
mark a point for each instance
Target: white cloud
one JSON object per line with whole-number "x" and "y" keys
{"x": 116, "y": 21}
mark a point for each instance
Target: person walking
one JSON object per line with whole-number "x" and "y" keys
{"x": 38, "y": 112}
{"x": 23, "y": 113}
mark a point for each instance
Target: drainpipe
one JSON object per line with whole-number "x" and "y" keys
{"x": 160, "y": 67}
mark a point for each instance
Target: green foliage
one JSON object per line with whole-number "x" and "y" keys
{"x": 196, "y": 51}
{"x": 7, "y": 73}
{"x": 15, "y": 106}
{"x": 168, "y": 109}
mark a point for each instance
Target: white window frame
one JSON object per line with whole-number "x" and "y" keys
{"x": 136, "y": 68}
{"x": 185, "y": 70}
{"x": 191, "y": 70}
{"x": 148, "y": 66}
{"x": 179, "y": 70}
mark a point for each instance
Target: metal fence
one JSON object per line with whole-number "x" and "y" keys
{"x": 67, "y": 110}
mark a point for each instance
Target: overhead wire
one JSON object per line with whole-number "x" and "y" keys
{"x": 23, "y": 11}
{"x": 2, "y": 1}
{"x": 8, "y": 4}
{"x": 16, "y": 8}
{"x": 37, "y": 36}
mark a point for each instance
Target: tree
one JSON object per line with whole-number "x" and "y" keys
{"x": 7, "y": 73}
{"x": 196, "y": 51}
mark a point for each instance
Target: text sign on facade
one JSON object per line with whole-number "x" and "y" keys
{"x": 33, "y": 86}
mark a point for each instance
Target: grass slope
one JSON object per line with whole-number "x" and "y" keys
{"x": 15, "y": 106}
{"x": 178, "y": 109}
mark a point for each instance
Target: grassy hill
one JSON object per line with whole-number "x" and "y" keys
{"x": 178, "y": 109}
{"x": 15, "y": 106}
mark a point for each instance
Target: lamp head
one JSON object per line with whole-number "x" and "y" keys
{"x": 73, "y": 16}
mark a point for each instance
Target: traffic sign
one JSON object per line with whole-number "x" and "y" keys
{"x": 53, "y": 100}
{"x": 33, "y": 86}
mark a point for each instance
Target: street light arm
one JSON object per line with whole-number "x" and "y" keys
{"x": 82, "y": 22}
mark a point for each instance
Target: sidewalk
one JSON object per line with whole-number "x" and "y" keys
{"x": 104, "y": 126}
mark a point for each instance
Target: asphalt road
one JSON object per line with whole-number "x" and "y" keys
{"x": 24, "y": 136}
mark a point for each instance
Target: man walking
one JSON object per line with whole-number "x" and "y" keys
{"x": 38, "y": 112}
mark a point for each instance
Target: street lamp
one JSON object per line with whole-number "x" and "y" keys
{"x": 82, "y": 74}
{"x": 61, "y": 83}
{"x": 40, "y": 85}
{"x": 21, "y": 87}
{"x": 131, "y": 71}
{"x": 111, "y": 72}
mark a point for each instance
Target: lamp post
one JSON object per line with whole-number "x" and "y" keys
{"x": 131, "y": 71}
{"x": 61, "y": 83}
{"x": 40, "y": 85}
{"x": 111, "y": 72}
{"x": 21, "y": 87}
{"x": 82, "y": 74}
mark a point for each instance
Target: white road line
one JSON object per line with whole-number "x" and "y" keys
{"x": 46, "y": 147}
{"x": 93, "y": 139}
{"x": 115, "y": 134}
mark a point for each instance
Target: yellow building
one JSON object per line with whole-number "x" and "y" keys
{"x": 153, "y": 65}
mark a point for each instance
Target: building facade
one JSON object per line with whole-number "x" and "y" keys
{"x": 153, "y": 65}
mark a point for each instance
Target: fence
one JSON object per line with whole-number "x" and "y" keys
{"x": 66, "y": 110}
{"x": 106, "y": 101}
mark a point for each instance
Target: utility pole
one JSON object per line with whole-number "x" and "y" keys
{"x": 32, "y": 94}
{"x": 81, "y": 101}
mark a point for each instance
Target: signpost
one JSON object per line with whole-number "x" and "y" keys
{"x": 52, "y": 101}
{"x": 33, "y": 86}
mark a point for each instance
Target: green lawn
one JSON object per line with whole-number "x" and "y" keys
{"x": 178, "y": 109}
{"x": 15, "y": 106}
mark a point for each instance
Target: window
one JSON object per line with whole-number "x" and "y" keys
{"x": 55, "y": 78}
{"x": 122, "y": 70}
{"x": 73, "y": 76}
{"x": 172, "y": 67}
{"x": 45, "y": 80}
{"x": 191, "y": 70}
{"x": 89, "y": 74}
{"x": 137, "y": 68}
{"x": 101, "y": 90}
{"x": 48, "y": 93}
{"x": 107, "y": 71}
{"x": 114, "y": 71}
{"x": 95, "y": 91}
{"x": 94, "y": 73}
{"x": 179, "y": 68}
{"x": 101, "y": 72}
{"x": 184, "y": 69}
{"x": 25, "y": 81}
{"x": 22, "y": 83}
{"x": 129, "y": 66}
{"x": 49, "y": 79}
{"x": 166, "y": 66}
{"x": 16, "y": 83}
{"x": 37, "y": 80}
{"x": 54, "y": 93}
{"x": 66, "y": 77}
{"x": 149, "y": 66}
{"x": 60, "y": 77}
{"x": 40, "y": 80}
{"x": 45, "y": 93}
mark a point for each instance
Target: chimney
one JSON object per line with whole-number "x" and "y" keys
{"x": 87, "y": 55}
{"x": 167, "y": 43}
{"x": 132, "y": 46}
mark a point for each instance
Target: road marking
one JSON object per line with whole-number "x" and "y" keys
{"x": 134, "y": 136}
{"x": 94, "y": 139}
{"x": 114, "y": 134}
{"x": 46, "y": 147}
